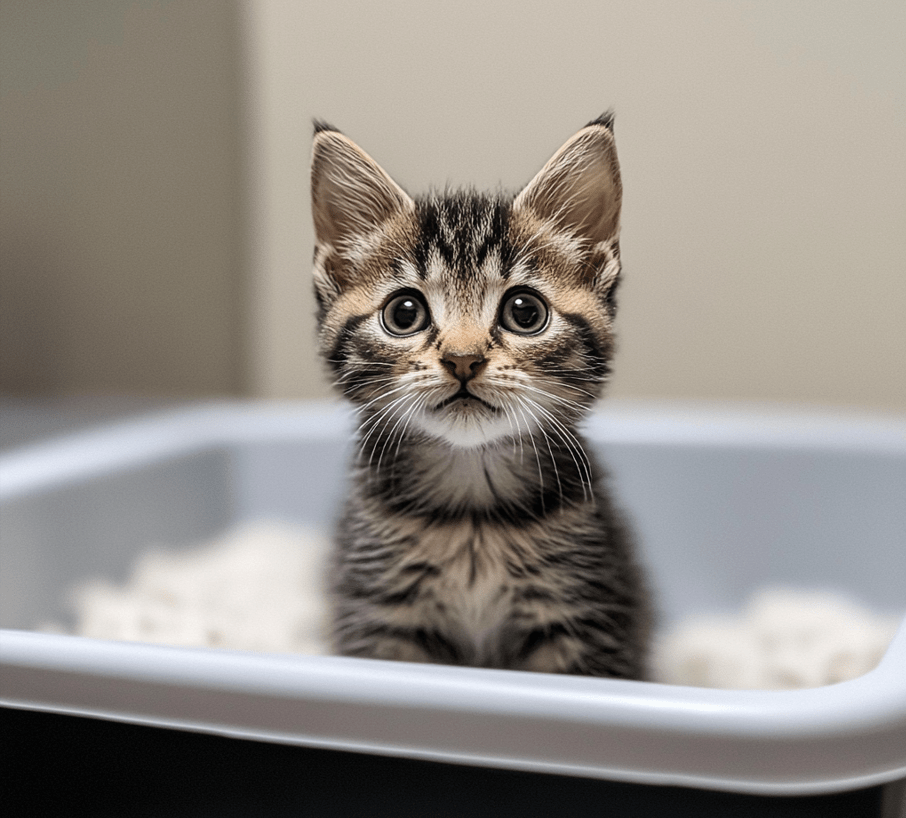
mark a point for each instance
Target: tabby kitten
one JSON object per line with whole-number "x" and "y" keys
{"x": 472, "y": 332}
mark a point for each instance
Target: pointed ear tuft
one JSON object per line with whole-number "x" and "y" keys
{"x": 351, "y": 194}
{"x": 605, "y": 120}
{"x": 320, "y": 125}
{"x": 579, "y": 189}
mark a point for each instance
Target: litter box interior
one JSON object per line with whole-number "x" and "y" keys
{"x": 715, "y": 521}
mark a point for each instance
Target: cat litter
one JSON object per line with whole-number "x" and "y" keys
{"x": 728, "y": 503}
{"x": 258, "y": 588}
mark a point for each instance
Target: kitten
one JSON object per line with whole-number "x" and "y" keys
{"x": 472, "y": 332}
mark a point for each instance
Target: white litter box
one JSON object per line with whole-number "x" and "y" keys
{"x": 724, "y": 502}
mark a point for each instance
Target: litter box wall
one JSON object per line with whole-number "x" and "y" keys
{"x": 724, "y": 502}
{"x": 95, "y": 527}
{"x": 87, "y": 506}
{"x": 720, "y": 520}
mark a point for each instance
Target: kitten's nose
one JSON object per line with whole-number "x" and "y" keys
{"x": 463, "y": 367}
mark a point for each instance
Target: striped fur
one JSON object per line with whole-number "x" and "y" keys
{"x": 472, "y": 333}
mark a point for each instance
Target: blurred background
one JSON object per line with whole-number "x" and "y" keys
{"x": 155, "y": 236}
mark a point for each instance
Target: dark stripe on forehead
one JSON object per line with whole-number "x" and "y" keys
{"x": 496, "y": 235}
{"x": 464, "y": 228}
{"x": 429, "y": 238}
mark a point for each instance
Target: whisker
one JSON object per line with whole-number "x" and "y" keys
{"x": 517, "y": 434}
{"x": 388, "y": 440}
{"x": 550, "y": 451}
{"x": 417, "y": 406}
{"x": 549, "y": 414}
{"x": 375, "y": 423}
{"x": 362, "y": 363}
{"x": 573, "y": 446}
{"x": 561, "y": 385}
{"x": 537, "y": 456}
{"x": 365, "y": 406}
{"x": 341, "y": 382}
{"x": 571, "y": 404}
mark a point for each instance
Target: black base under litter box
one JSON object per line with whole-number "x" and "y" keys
{"x": 64, "y": 765}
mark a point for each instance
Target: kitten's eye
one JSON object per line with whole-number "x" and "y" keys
{"x": 524, "y": 312}
{"x": 405, "y": 314}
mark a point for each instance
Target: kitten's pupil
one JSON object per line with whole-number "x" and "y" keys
{"x": 405, "y": 314}
{"x": 524, "y": 312}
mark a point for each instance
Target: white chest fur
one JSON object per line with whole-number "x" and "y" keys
{"x": 473, "y": 478}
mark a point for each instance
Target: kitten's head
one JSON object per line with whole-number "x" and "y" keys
{"x": 468, "y": 317}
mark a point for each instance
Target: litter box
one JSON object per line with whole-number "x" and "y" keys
{"x": 724, "y": 500}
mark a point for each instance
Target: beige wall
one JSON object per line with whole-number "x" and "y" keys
{"x": 762, "y": 150}
{"x": 119, "y": 213}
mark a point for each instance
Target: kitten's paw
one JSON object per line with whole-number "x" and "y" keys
{"x": 393, "y": 649}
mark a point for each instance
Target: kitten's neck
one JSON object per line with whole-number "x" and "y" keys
{"x": 422, "y": 474}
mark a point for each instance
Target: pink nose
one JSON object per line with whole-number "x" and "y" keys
{"x": 463, "y": 367}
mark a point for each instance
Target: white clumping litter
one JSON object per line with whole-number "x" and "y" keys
{"x": 782, "y": 639}
{"x": 260, "y": 587}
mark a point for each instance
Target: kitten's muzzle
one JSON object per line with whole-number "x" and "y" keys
{"x": 463, "y": 394}
{"x": 464, "y": 367}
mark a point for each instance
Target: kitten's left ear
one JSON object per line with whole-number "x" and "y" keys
{"x": 351, "y": 194}
{"x": 579, "y": 189}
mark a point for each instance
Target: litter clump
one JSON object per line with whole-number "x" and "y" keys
{"x": 784, "y": 638}
{"x": 260, "y": 587}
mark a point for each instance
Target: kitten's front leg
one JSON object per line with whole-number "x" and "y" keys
{"x": 377, "y": 639}
{"x": 384, "y": 646}
{"x": 575, "y": 647}
{"x": 543, "y": 653}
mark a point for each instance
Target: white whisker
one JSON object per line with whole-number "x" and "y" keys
{"x": 550, "y": 451}
{"x": 573, "y": 446}
{"x": 521, "y": 408}
{"x": 416, "y": 407}
{"x": 375, "y": 423}
{"x": 388, "y": 440}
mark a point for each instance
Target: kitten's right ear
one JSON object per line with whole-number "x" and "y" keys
{"x": 350, "y": 193}
{"x": 579, "y": 189}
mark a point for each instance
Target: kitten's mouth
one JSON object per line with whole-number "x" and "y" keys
{"x": 467, "y": 397}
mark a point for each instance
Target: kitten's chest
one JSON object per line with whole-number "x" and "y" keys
{"x": 472, "y": 575}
